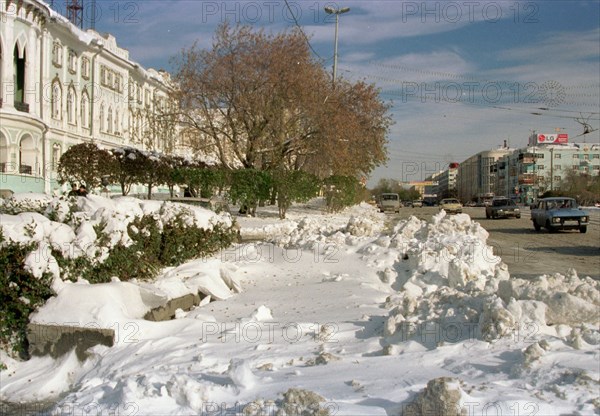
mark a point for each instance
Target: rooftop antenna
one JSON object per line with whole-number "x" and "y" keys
{"x": 75, "y": 12}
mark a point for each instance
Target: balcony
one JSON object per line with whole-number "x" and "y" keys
{"x": 21, "y": 106}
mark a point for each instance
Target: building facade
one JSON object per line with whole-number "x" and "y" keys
{"x": 476, "y": 176}
{"x": 540, "y": 167}
{"x": 447, "y": 182}
{"x": 62, "y": 86}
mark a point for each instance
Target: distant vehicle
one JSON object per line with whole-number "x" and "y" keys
{"x": 559, "y": 213}
{"x": 487, "y": 199}
{"x": 407, "y": 204}
{"x": 417, "y": 203}
{"x": 389, "y": 202}
{"x": 471, "y": 204}
{"x": 502, "y": 208}
{"x": 451, "y": 206}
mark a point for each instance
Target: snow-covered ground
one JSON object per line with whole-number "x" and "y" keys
{"x": 362, "y": 313}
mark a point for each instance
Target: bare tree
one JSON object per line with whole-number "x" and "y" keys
{"x": 261, "y": 101}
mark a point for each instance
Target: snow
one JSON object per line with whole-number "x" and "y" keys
{"x": 355, "y": 316}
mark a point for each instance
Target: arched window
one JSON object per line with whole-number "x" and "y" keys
{"x": 56, "y": 101}
{"x": 85, "y": 110}
{"x": 116, "y": 129}
{"x": 71, "y": 99}
{"x": 26, "y": 155}
{"x": 102, "y": 126}
{"x": 109, "y": 120}
{"x": 4, "y": 160}
{"x": 56, "y": 153}
{"x": 19, "y": 74}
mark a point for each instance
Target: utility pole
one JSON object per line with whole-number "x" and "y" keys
{"x": 336, "y": 12}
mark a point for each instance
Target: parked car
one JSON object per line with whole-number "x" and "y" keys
{"x": 389, "y": 202}
{"x": 502, "y": 208}
{"x": 417, "y": 203}
{"x": 559, "y": 213}
{"x": 451, "y": 205}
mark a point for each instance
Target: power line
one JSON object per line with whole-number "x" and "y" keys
{"x": 302, "y": 31}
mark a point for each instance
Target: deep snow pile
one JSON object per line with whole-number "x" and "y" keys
{"x": 450, "y": 285}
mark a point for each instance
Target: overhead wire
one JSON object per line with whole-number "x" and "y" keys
{"x": 302, "y": 32}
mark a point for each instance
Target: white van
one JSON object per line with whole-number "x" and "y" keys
{"x": 389, "y": 202}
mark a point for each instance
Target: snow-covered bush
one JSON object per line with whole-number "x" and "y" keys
{"x": 29, "y": 202}
{"x": 20, "y": 294}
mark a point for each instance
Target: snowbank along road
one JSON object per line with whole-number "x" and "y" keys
{"x": 529, "y": 253}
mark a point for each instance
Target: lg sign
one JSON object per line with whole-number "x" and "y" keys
{"x": 553, "y": 138}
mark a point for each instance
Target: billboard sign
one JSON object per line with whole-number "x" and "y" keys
{"x": 556, "y": 138}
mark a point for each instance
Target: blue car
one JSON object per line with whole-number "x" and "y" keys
{"x": 559, "y": 213}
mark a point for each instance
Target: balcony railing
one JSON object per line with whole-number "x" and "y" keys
{"x": 6, "y": 167}
{"x": 25, "y": 169}
{"x": 21, "y": 106}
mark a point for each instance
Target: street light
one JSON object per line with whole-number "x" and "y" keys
{"x": 337, "y": 12}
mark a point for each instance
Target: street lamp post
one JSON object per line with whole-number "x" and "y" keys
{"x": 336, "y": 12}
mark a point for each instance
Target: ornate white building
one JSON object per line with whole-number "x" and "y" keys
{"x": 61, "y": 86}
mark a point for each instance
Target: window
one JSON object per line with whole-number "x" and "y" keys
{"x": 72, "y": 62}
{"x": 85, "y": 110}
{"x": 586, "y": 157}
{"x": 557, "y": 156}
{"x": 71, "y": 106}
{"x": 102, "y": 125}
{"x": 56, "y": 102}
{"x": 118, "y": 82}
{"x": 540, "y": 167}
{"x": 57, "y": 54}
{"x": 19, "y": 68}
{"x": 109, "y": 120}
{"x": 103, "y": 75}
{"x": 557, "y": 167}
{"x": 85, "y": 67}
{"x": 56, "y": 153}
{"x": 557, "y": 179}
{"x": 596, "y": 156}
{"x": 116, "y": 129}
{"x": 575, "y": 156}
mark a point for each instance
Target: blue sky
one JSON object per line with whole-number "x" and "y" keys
{"x": 462, "y": 76}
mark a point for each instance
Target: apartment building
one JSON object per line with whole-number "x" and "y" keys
{"x": 476, "y": 176}
{"x": 543, "y": 165}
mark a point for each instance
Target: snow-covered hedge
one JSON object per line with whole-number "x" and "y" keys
{"x": 100, "y": 240}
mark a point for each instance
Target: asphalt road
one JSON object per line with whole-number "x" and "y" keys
{"x": 528, "y": 253}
